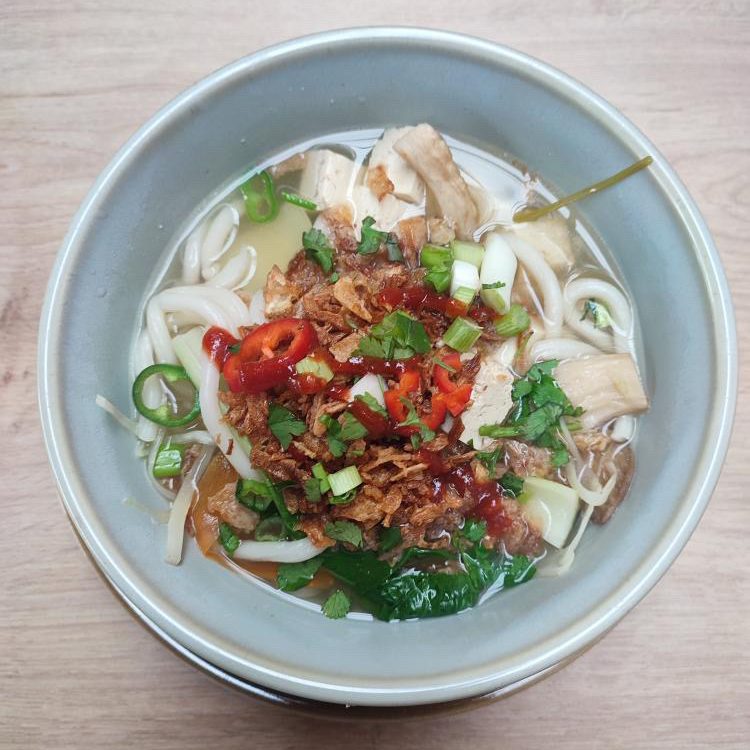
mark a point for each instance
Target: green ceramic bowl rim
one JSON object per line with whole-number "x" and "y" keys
{"x": 595, "y": 622}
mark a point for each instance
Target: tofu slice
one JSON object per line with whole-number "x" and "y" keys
{"x": 407, "y": 185}
{"x": 326, "y": 177}
{"x": 491, "y": 398}
{"x": 386, "y": 212}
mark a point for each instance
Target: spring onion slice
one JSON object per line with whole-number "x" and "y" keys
{"x": 465, "y": 294}
{"x": 168, "y": 461}
{"x": 343, "y": 481}
{"x": 469, "y": 252}
{"x": 433, "y": 256}
{"x": 462, "y": 334}
{"x": 515, "y": 321}
{"x": 298, "y": 200}
{"x": 532, "y": 213}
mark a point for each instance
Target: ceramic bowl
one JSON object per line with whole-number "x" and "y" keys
{"x": 481, "y": 93}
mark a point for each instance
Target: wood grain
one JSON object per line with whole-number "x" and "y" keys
{"x": 76, "y": 78}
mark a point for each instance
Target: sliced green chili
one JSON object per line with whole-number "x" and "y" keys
{"x": 165, "y": 415}
{"x": 258, "y": 192}
{"x": 530, "y": 213}
{"x": 298, "y": 200}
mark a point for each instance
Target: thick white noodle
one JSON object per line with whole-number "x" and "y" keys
{"x": 561, "y": 348}
{"x": 298, "y": 550}
{"x": 181, "y": 506}
{"x": 615, "y": 301}
{"x": 211, "y": 306}
{"x": 152, "y": 394}
{"x": 191, "y": 257}
{"x": 221, "y": 233}
{"x": 237, "y": 271}
{"x": 546, "y": 282}
{"x": 215, "y": 425}
{"x": 258, "y": 308}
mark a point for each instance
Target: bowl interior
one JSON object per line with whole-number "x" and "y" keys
{"x": 477, "y": 92}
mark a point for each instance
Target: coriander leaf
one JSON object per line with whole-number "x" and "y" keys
{"x": 318, "y": 249}
{"x": 293, "y": 576}
{"x": 334, "y": 277}
{"x": 351, "y": 427}
{"x": 333, "y": 434}
{"x": 413, "y": 420}
{"x": 312, "y": 490}
{"x": 372, "y": 404}
{"x": 560, "y": 457}
{"x": 344, "y": 531}
{"x": 416, "y": 441}
{"x": 371, "y": 238}
{"x": 518, "y": 569}
{"x": 228, "y": 538}
{"x": 496, "y": 285}
{"x": 284, "y": 425}
{"x": 511, "y": 483}
{"x": 337, "y": 605}
{"x": 390, "y": 538}
{"x": 473, "y": 531}
{"x": 371, "y": 347}
{"x": 536, "y": 371}
{"x": 489, "y": 459}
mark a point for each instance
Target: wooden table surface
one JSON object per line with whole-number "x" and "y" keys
{"x": 76, "y": 79}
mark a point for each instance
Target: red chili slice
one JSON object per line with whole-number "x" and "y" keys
{"x": 268, "y": 354}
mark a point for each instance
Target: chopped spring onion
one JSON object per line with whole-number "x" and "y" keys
{"x": 551, "y": 507}
{"x": 498, "y": 267}
{"x": 469, "y": 252}
{"x": 270, "y": 530}
{"x": 343, "y": 481}
{"x": 464, "y": 275}
{"x": 532, "y": 213}
{"x": 465, "y": 294}
{"x": 462, "y": 334}
{"x": 515, "y": 321}
{"x": 439, "y": 278}
{"x": 433, "y": 256}
{"x": 316, "y": 367}
{"x": 298, "y": 200}
{"x": 168, "y": 462}
{"x": 259, "y": 195}
{"x": 166, "y": 414}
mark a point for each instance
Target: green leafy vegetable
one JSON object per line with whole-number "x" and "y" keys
{"x": 473, "y": 531}
{"x": 293, "y": 576}
{"x": 372, "y": 239}
{"x": 339, "y": 433}
{"x": 337, "y": 605}
{"x": 228, "y": 538}
{"x": 317, "y": 248}
{"x": 284, "y": 425}
{"x": 344, "y": 531}
{"x": 372, "y": 404}
{"x": 334, "y": 277}
{"x": 511, "y": 483}
{"x": 390, "y": 538}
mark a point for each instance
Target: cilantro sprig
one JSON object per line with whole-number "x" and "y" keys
{"x": 397, "y": 336}
{"x": 318, "y": 248}
{"x": 343, "y": 431}
{"x": 284, "y": 424}
{"x": 538, "y": 405}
